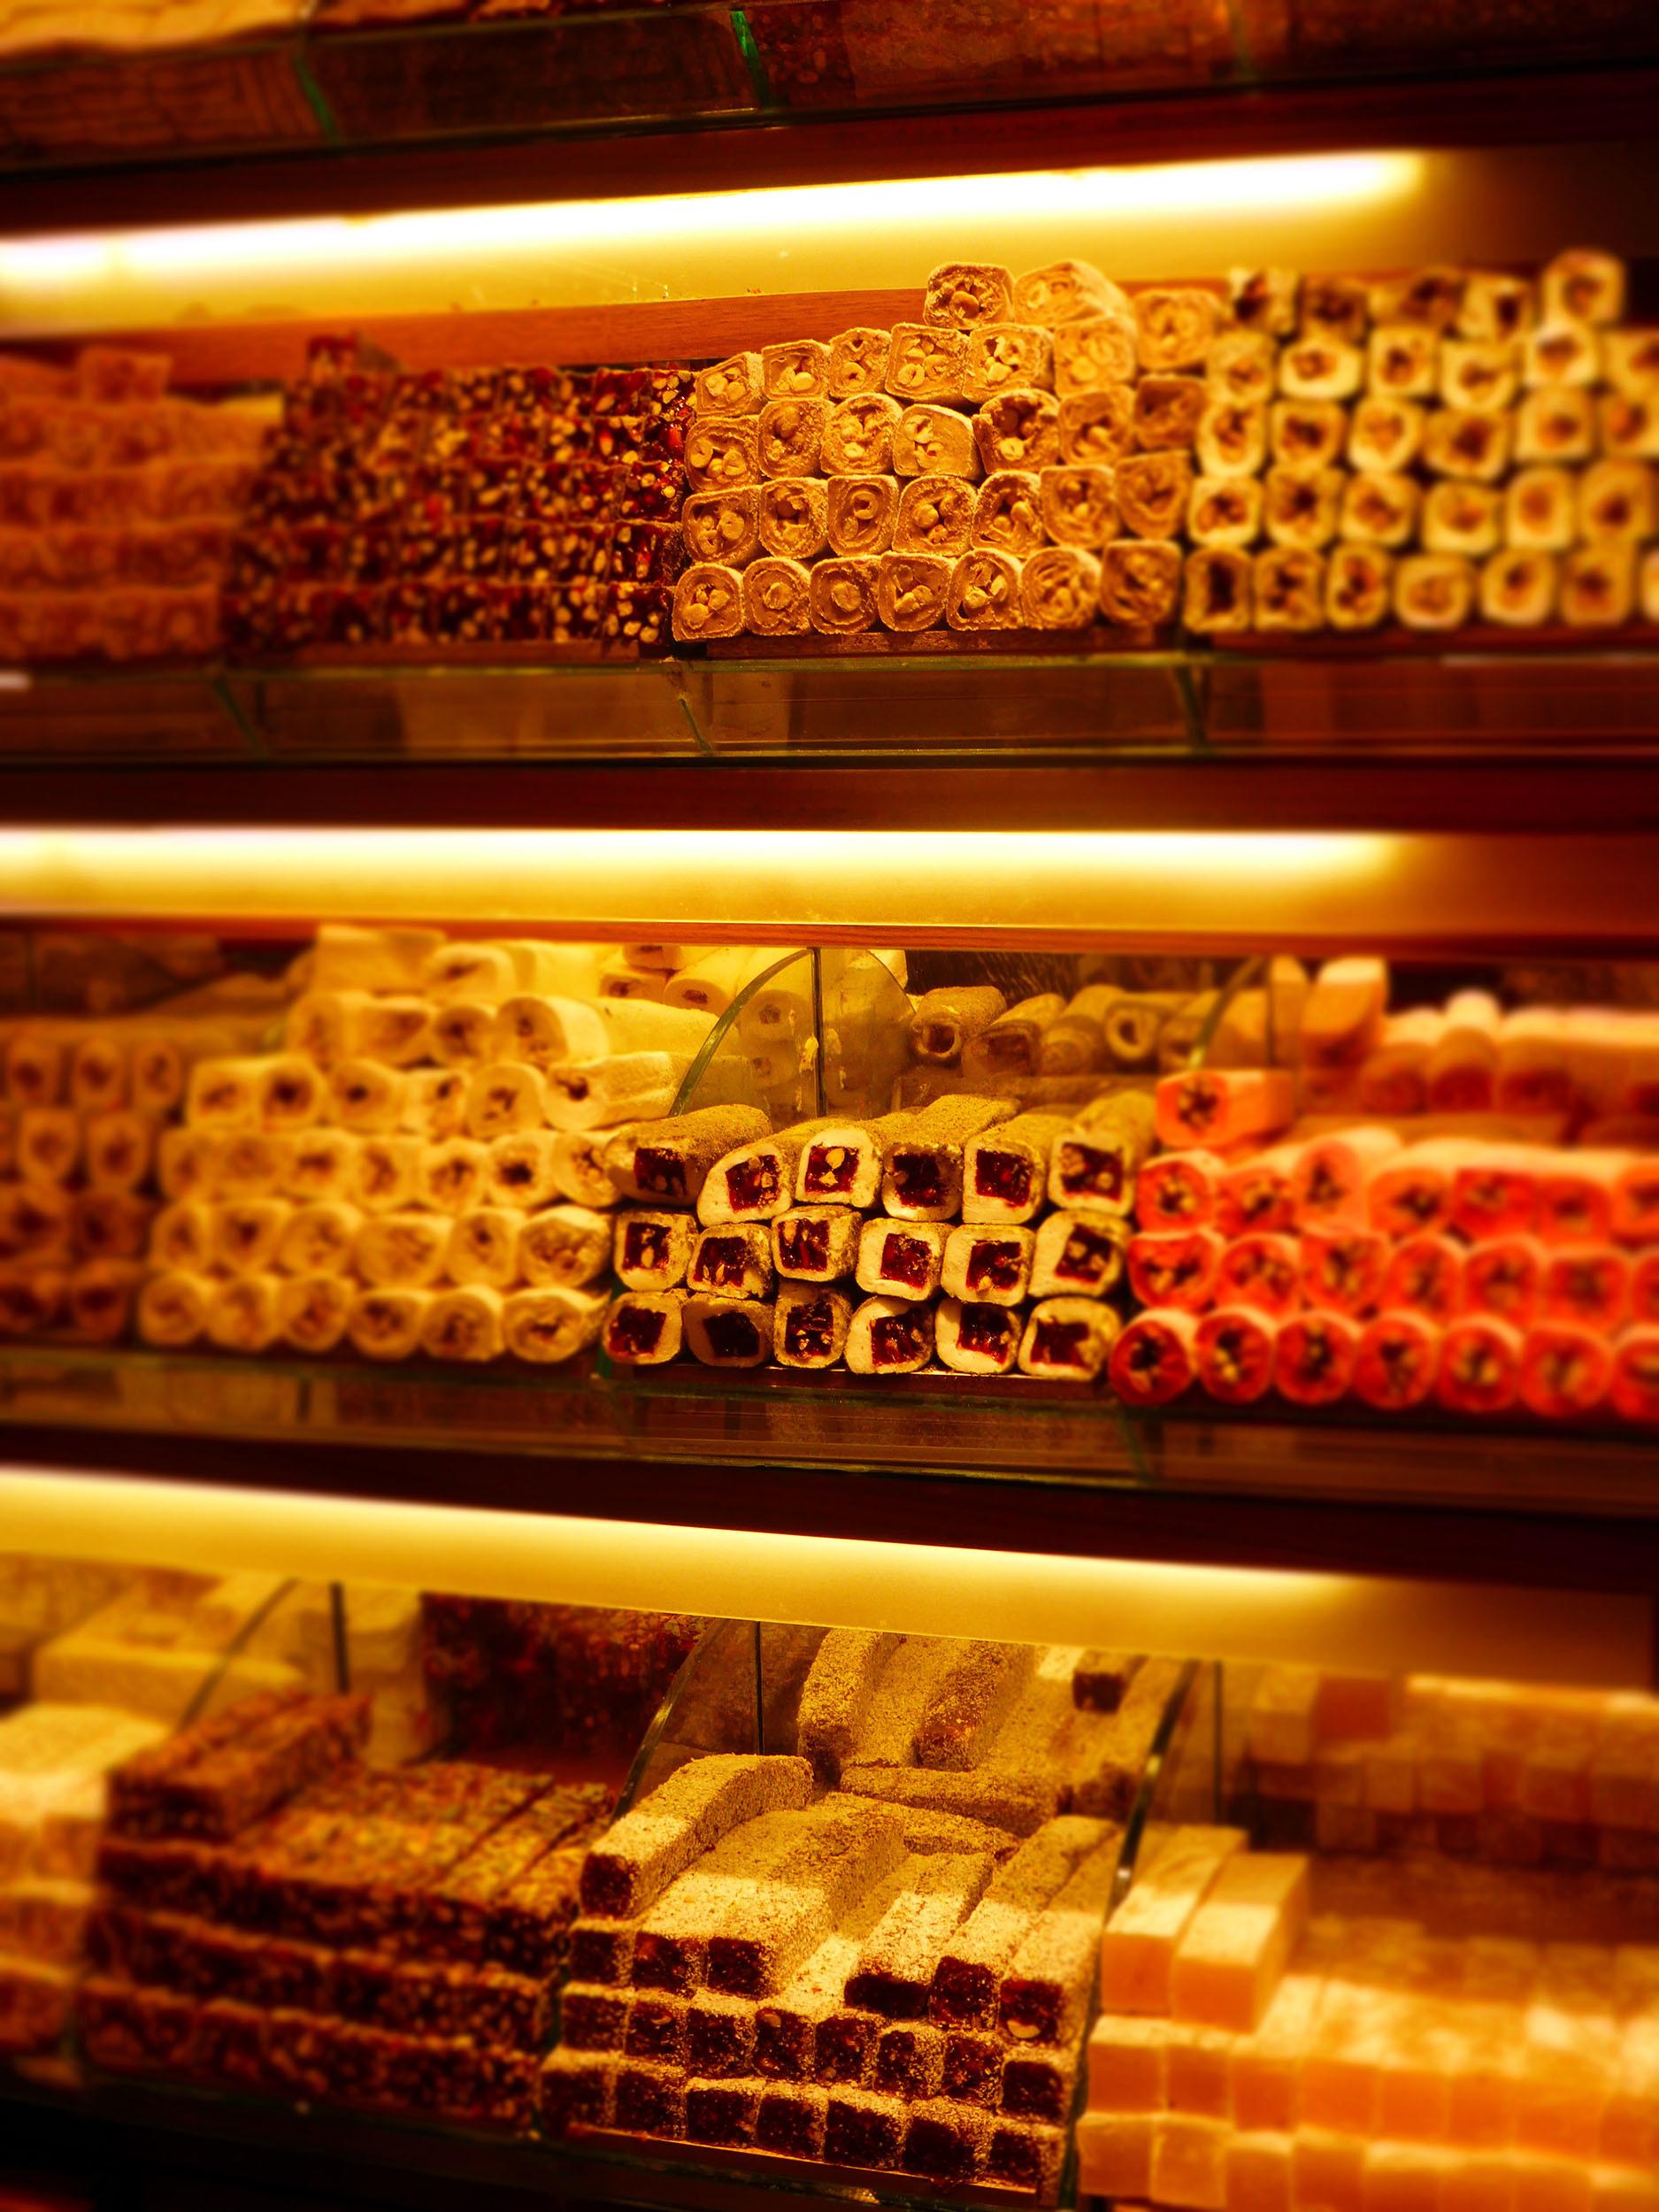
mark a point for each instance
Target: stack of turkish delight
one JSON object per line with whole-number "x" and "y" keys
{"x": 1296, "y": 454}
{"x": 462, "y": 506}
{"x": 1477, "y": 1256}
{"x": 118, "y": 509}
{"x": 1254, "y": 2050}
{"x": 277, "y": 1918}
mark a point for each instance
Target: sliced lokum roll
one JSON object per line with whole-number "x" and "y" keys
{"x": 723, "y": 452}
{"x": 460, "y": 1033}
{"x": 1598, "y": 586}
{"x": 984, "y": 591}
{"x": 858, "y": 363}
{"x": 946, "y": 1018}
{"x": 857, "y": 435}
{"x": 1153, "y": 493}
{"x": 1265, "y": 300}
{"x": 1154, "y": 1360}
{"x": 367, "y": 1097}
{"x": 989, "y": 1266}
{"x": 791, "y": 435}
{"x": 669, "y": 1160}
{"x": 735, "y": 385}
{"x": 1540, "y": 511}
{"x": 383, "y": 1172}
{"x": 1231, "y": 438}
{"x": 1485, "y": 376}
{"x": 793, "y": 519}
{"x": 653, "y": 1250}
{"x": 1178, "y": 1190}
{"x": 1435, "y": 591}
{"x": 641, "y": 1328}
{"x": 889, "y": 1336}
{"x": 961, "y": 295}
{"x": 1566, "y": 1369}
{"x": 1233, "y": 1354}
{"x": 119, "y": 1146}
{"x": 755, "y": 1180}
{"x": 1078, "y": 505}
{"x": 1006, "y": 1168}
{"x": 732, "y": 1262}
{"x": 725, "y": 1331}
{"x": 1343, "y": 1270}
{"x": 1358, "y": 587}
{"x": 1635, "y": 1392}
{"x": 1216, "y": 592}
{"x": 463, "y": 1324}
{"x": 1495, "y": 307}
{"x": 483, "y": 1248}
{"x": 1556, "y": 424}
{"x": 1012, "y": 1044}
{"x": 1319, "y": 367}
{"x": 1396, "y": 1362}
{"x": 1460, "y": 518}
{"x": 1306, "y": 435}
{"x": 912, "y": 590}
{"x": 223, "y": 1093}
{"x": 561, "y": 1247}
{"x": 599, "y": 1094}
{"x": 1588, "y": 1286}
{"x": 1403, "y": 362}
{"x": 810, "y": 1325}
{"x": 1287, "y": 589}
{"x": 1261, "y": 1270}
{"x": 520, "y": 1170}
{"x": 546, "y": 1326}
{"x": 434, "y": 1101}
{"x": 1007, "y": 514}
{"x": 926, "y": 363}
{"x": 1140, "y": 583}
{"x": 1242, "y": 372}
{"x": 900, "y": 1260}
{"x": 1630, "y": 427}
{"x": 1644, "y": 1291}
{"x": 1019, "y": 429}
{"x": 1059, "y": 589}
{"x": 1095, "y": 1163}
{"x": 860, "y": 514}
{"x": 172, "y": 1307}
{"x": 1095, "y": 355}
{"x": 1302, "y": 508}
{"x": 1460, "y": 441}
{"x": 1096, "y": 429}
{"x": 241, "y": 1314}
{"x": 1517, "y": 590}
{"x": 1168, "y": 411}
{"x": 48, "y": 1144}
{"x": 1313, "y": 1357}
{"x": 977, "y": 1339}
{"x": 708, "y": 602}
{"x": 312, "y": 1312}
{"x": 452, "y": 1175}
{"x": 1504, "y": 1279}
{"x": 1002, "y": 356}
{"x": 1616, "y": 499}
{"x": 934, "y": 441}
{"x": 842, "y": 597}
{"x": 816, "y": 1244}
{"x": 1174, "y": 1267}
{"x": 1480, "y": 1365}
{"x": 776, "y": 597}
{"x": 1585, "y": 286}
{"x": 323, "y": 1164}
{"x": 1385, "y": 436}
{"x": 1175, "y": 327}
{"x": 1425, "y": 1276}
{"x": 797, "y": 369}
{"x": 540, "y": 1033}
{"x": 1066, "y": 292}
{"x": 1633, "y": 362}
{"x": 401, "y": 1250}
{"x": 935, "y": 516}
{"x": 722, "y": 528}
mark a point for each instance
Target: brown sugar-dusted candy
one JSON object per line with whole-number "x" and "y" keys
{"x": 1078, "y": 505}
{"x": 1019, "y": 429}
{"x": 723, "y": 2111}
{"x": 935, "y": 516}
{"x": 858, "y": 437}
{"x": 578, "y": 2088}
{"x": 793, "y": 518}
{"x": 968, "y": 1979}
{"x": 1167, "y": 412}
{"x": 1095, "y": 355}
{"x": 1218, "y": 590}
{"x": 835, "y": 1699}
{"x": 1027, "y": 2155}
{"x": 1265, "y": 301}
{"x": 1003, "y": 356}
{"x": 1288, "y": 589}
{"x": 948, "y": 2140}
{"x": 895, "y": 1971}
{"x": 857, "y": 362}
{"x": 650, "y": 2099}
{"x": 970, "y": 1700}
{"x": 934, "y": 441}
{"x": 708, "y": 604}
{"x": 926, "y": 363}
{"x": 790, "y": 436}
{"x": 861, "y": 514}
{"x": 1045, "y": 1991}
{"x": 912, "y": 590}
{"x": 1065, "y": 292}
{"x": 723, "y": 452}
{"x": 863, "y": 2129}
{"x": 776, "y": 597}
{"x": 1139, "y": 582}
{"x": 733, "y": 386}
{"x": 960, "y": 294}
{"x": 1059, "y": 589}
{"x": 1096, "y": 429}
{"x": 1175, "y": 327}
{"x": 700, "y": 1804}
{"x": 984, "y": 592}
{"x": 797, "y": 369}
{"x": 1008, "y": 513}
{"x": 909, "y": 2060}
{"x": 719, "y": 2034}
{"x": 1358, "y": 587}
{"x": 1224, "y": 510}
{"x": 842, "y": 597}
{"x": 791, "y": 2119}
{"x": 1153, "y": 490}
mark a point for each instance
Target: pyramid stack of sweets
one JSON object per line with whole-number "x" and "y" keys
{"x": 54, "y": 1760}
{"x": 1466, "y": 1212}
{"x": 1487, "y": 1771}
{"x": 893, "y": 1977}
{"x": 118, "y": 504}
{"x": 418, "y": 1166}
{"x": 462, "y": 506}
{"x": 1294, "y": 454}
{"x": 980, "y": 1224}
{"x": 1254, "y": 2050}
{"x": 276, "y": 1918}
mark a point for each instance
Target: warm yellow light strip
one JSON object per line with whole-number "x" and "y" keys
{"x": 1217, "y": 1613}
{"x": 1220, "y": 886}
{"x": 708, "y": 245}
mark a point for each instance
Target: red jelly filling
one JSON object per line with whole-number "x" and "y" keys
{"x": 1087, "y": 1172}
{"x": 809, "y": 1333}
{"x": 636, "y": 1332}
{"x": 722, "y": 1263}
{"x": 830, "y": 1169}
{"x": 1059, "y": 1343}
{"x": 804, "y": 1245}
{"x": 662, "y": 1174}
{"x": 645, "y": 1246}
{"x": 994, "y": 1267}
{"x": 732, "y": 1336}
{"x": 752, "y": 1183}
{"x": 919, "y": 1178}
{"x": 1004, "y": 1176}
{"x": 1084, "y": 1257}
{"x": 895, "y": 1341}
{"x": 1199, "y": 1103}
{"x": 985, "y": 1330}
{"x": 906, "y": 1260}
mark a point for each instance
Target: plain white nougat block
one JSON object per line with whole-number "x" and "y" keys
{"x": 1229, "y": 1961}
{"x": 1138, "y": 1948}
{"x": 1114, "y": 2154}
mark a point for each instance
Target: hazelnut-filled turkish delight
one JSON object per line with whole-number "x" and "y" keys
{"x": 669, "y": 1160}
{"x": 1095, "y": 355}
{"x": 860, "y": 514}
{"x": 709, "y": 602}
{"x": 1233, "y": 1353}
{"x": 1175, "y": 327}
{"x": 963, "y": 294}
{"x": 810, "y": 1325}
{"x": 723, "y": 453}
{"x": 841, "y": 598}
{"x": 1140, "y": 583}
{"x": 987, "y": 1265}
{"x": 926, "y": 363}
{"x": 975, "y": 1337}
{"x": 793, "y": 519}
{"x": 1003, "y": 357}
{"x": 728, "y": 1331}
{"x": 984, "y": 592}
{"x": 858, "y": 436}
{"x": 1059, "y": 589}
{"x": 732, "y": 1262}
{"x": 1153, "y": 490}
{"x": 776, "y": 597}
{"x": 816, "y": 1244}
{"x": 935, "y": 515}
{"x": 900, "y": 1259}
{"x": 913, "y": 589}
{"x": 858, "y": 363}
{"x": 722, "y": 528}
{"x": 934, "y": 441}
{"x": 889, "y": 1336}
{"x": 1008, "y": 513}
{"x": 1063, "y": 292}
{"x": 1077, "y": 1254}
{"x": 1018, "y": 430}
{"x": 1079, "y": 505}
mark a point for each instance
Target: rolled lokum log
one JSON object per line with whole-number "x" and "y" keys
{"x": 1313, "y": 1357}
{"x": 1005, "y": 1168}
{"x": 857, "y": 362}
{"x": 722, "y": 528}
{"x": 248, "y": 1164}
{"x": 1460, "y": 518}
{"x": 99, "y": 1074}
{"x": 521, "y": 1170}
{"x": 926, "y": 364}
{"x": 733, "y": 1261}
{"x": 858, "y": 436}
{"x": 1575, "y": 1197}
{"x": 791, "y": 436}
{"x": 935, "y": 515}
{"x": 1154, "y": 1361}
{"x": 1175, "y": 327}
{"x": 383, "y": 1170}
{"x": 1078, "y": 505}
{"x": 1379, "y": 509}
{"x": 1096, "y": 429}
{"x": 465, "y": 1324}
{"x": 99, "y": 1299}
{"x": 242, "y": 1315}
{"x": 842, "y": 596}
{"x": 1598, "y": 586}
{"x": 1460, "y": 441}
{"x": 1094, "y": 355}
{"x": 1139, "y": 584}
{"x": 319, "y": 1239}
{"x": 1385, "y": 436}
{"x": 1180, "y": 1190}
{"x": 1566, "y": 1371}
{"x": 385, "y": 1325}
{"x": 173, "y": 1309}
{"x": 1076, "y": 1040}
{"x": 1393, "y": 1075}
{"x": 709, "y": 985}
{"x": 946, "y": 1019}
{"x": 934, "y": 441}
{"x": 547, "y": 1326}
{"x": 434, "y": 1103}
{"x": 840, "y": 1163}
{"x": 670, "y": 1160}
{"x": 1396, "y": 1362}
{"x": 461, "y": 1033}
{"x": 1006, "y": 514}
{"x": 861, "y": 513}
{"x": 1287, "y": 589}
{"x": 1059, "y": 589}
{"x": 1019, "y": 429}
{"x": 809, "y": 1325}
{"x": 1321, "y": 367}
{"x": 1096, "y": 1162}
{"x": 1480, "y": 1365}
{"x": 708, "y": 602}
{"x": 1616, "y": 499}
{"x": 324, "y": 1164}
{"x": 1265, "y": 301}
{"x": 1215, "y": 1107}
{"x": 1306, "y": 435}
{"x": 961, "y": 295}
{"x": 984, "y": 1264}
{"x": 599, "y": 1094}
{"x": 1518, "y": 589}
{"x": 1496, "y": 306}
{"x": 1588, "y": 1286}
{"x": 755, "y": 1180}
{"x": 1218, "y": 590}
{"x": 1233, "y": 1353}
{"x": 728, "y": 1331}
{"x": 1302, "y": 508}
{"x": 723, "y": 453}
{"x": 735, "y": 385}
{"x": 1168, "y": 411}
{"x": 452, "y": 1175}
{"x": 1005, "y": 356}
{"x": 182, "y": 1236}
{"x": 1425, "y": 1276}
{"x": 1230, "y": 437}
{"x": 776, "y": 597}
{"x": 1261, "y": 1269}
{"x": 1067, "y": 1340}
{"x": 36, "y": 1068}
{"x": 367, "y": 1097}
{"x": 1556, "y": 424}
{"x": 816, "y": 1244}
{"x": 1632, "y": 358}
{"x": 653, "y": 1250}
{"x": 1504, "y": 1279}
{"x": 1484, "y": 375}
{"x": 543, "y": 1033}
{"x": 1635, "y": 1392}
{"x": 889, "y": 1336}
{"x": 1065, "y": 292}
{"x": 1259, "y": 1195}
{"x": 159, "y": 1073}
{"x": 984, "y": 592}
{"x": 483, "y": 1247}
{"x": 223, "y": 1093}
{"x": 793, "y": 519}
{"x": 1332, "y": 1177}
{"x": 1343, "y": 1270}
{"x": 504, "y": 1096}
{"x": 1644, "y": 1291}
{"x": 1494, "y": 1192}
{"x": 1583, "y": 286}
{"x": 312, "y": 1312}
{"x": 901, "y": 1261}
{"x": 315, "y": 1027}
{"x": 1334, "y": 307}
{"x": 246, "y": 1235}
{"x": 474, "y": 969}
{"x": 1174, "y": 1267}
{"x": 396, "y": 1032}
{"x": 1464, "y": 1062}
{"x": 577, "y": 1167}
{"x": 1153, "y": 491}
{"x": 1078, "y": 1256}
{"x": 1012, "y": 1044}
{"x": 118, "y": 1147}
{"x": 797, "y": 369}
{"x": 1432, "y": 298}
{"x": 976, "y": 1338}
{"x": 1358, "y": 587}
{"x": 921, "y": 1177}
{"x": 404, "y": 1251}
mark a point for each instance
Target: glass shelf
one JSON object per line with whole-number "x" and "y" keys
{"x": 1387, "y": 697}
